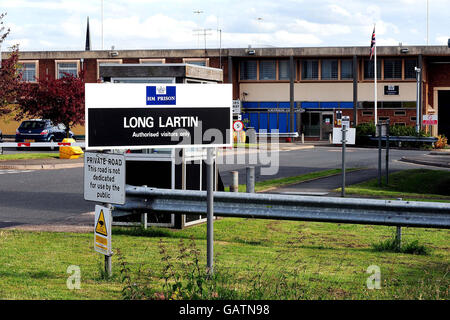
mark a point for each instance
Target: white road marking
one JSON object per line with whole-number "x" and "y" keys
{"x": 14, "y": 171}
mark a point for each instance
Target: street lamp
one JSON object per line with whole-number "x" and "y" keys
{"x": 418, "y": 70}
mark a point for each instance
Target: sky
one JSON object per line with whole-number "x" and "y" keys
{"x": 182, "y": 24}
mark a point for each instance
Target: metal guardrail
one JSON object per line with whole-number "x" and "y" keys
{"x": 407, "y": 139}
{"x": 287, "y": 207}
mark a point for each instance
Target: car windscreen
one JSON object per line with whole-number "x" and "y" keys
{"x": 32, "y": 125}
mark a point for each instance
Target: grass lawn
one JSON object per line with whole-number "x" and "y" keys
{"x": 281, "y": 182}
{"x": 408, "y": 184}
{"x": 260, "y": 259}
{"x": 22, "y": 156}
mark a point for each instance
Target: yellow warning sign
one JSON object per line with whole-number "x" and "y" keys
{"x": 101, "y": 225}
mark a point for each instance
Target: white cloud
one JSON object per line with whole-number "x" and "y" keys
{"x": 304, "y": 26}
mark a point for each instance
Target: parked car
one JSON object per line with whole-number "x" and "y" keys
{"x": 1, "y": 136}
{"x": 41, "y": 130}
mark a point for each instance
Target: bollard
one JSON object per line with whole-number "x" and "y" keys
{"x": 144, "y": 220}
{"x": 250, "y": 179}
{"x": 235, "y": 182}
{"x": 330, "y": 138}
{"x": 303, "y": 138}
{"x": 144, "y": 217}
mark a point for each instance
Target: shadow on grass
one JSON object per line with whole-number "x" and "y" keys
{"x": 153, "y": 232}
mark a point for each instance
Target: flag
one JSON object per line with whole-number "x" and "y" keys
{"x": 372, "y": 43}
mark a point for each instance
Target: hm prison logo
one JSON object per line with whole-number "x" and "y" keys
{"x": 161, "y": 95}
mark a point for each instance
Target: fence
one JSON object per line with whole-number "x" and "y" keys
{"x": 286, "y": 207}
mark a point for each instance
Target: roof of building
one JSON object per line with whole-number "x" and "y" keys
{"x": 240, "y": 52}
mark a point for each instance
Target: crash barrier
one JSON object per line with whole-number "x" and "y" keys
{"x": 406, "y": 139}
{"x": 287, "y": 207}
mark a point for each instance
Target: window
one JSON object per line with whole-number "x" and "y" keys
{"x": 409, "y": 104}
{"x": 412, "y": 119}
{"x": 310, "y": 70}
{"x": 66, "y": 67}
{"x": 383, "y": 119}
{"x": 105, "y": 61}
{"x": 28, "y": 69}
{"x": 197, "y": 61}
{"x": 346, "y": 69}
{"x": 400, "y": 113}
{"x": 329, "y": 69}
{"x": 401, "y": 124}
{"x": 410, "y": 72}
{"x": 248, "y": 70}
{"x": 370, "y": 104}
{"x": 369, "y": 69}
{"x": 284, "y": 72}
{"x": 152, "y": 61}
{"x": 367, "y": 113}
{"x": 392, "y": 104}
{"x": 392, "y": 69}
{"x": 267, "y": 70}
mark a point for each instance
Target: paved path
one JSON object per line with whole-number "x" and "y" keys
{"x": 324, "y": 186}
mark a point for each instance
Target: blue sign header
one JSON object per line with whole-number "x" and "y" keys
{"x": 161, "y": 95}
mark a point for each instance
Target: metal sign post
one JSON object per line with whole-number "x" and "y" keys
{"x": 387, "y": 152}
{"x": 344, "y": 141}
{"x": 210, "y": 210}
{"x": 379, "y": 153}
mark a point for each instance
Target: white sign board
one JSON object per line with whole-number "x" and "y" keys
{"x": 140, "y": 116}
{"x": 104, "y": 177}
{"x": 236, "y": 106}
{"x": 350, "y": 135}
{"x": 102, "y": 230}
{"x": 429, "y": 119}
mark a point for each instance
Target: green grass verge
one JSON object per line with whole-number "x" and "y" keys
{"x": 22, "y": 156}
{"x": 260, "y": 259}
{"x": 420, "y": 184}
{"x": 281, "y": 182}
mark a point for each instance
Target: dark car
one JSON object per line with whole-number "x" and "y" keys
{"x": 39, "y": 130}
{"x": 1, "y": 136}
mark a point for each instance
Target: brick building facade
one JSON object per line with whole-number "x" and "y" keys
{"x": 324, "y": 80}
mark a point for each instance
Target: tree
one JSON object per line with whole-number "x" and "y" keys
{"x": 9, "y": 75}
{"x": 60, "y": 100}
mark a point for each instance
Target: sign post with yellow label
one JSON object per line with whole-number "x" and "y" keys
{"x": 102, "y": 230}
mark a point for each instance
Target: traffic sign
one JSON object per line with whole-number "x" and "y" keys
{"x": 104, "y": 177}
{"x": 237, "y": 106}
{"x": 102, "y": 230}
{"x": 238, "y": 125}
{"x": 137, "y": 116}
{"x": 429, "y": 119}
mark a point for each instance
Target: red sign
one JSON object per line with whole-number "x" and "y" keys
{"x": 429, "y": 119}
{"x": 238, "y": 125}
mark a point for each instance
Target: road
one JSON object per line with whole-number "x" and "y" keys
{"x": 56, "y": 196}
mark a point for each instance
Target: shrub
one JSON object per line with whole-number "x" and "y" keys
{"x": 391, "y": 245}
{"x": 441, "y": 143}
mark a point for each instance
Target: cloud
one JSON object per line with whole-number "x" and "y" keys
{"x": 303, "y": 26}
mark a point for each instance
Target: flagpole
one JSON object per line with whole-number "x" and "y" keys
{"x": 375, "y": 81}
